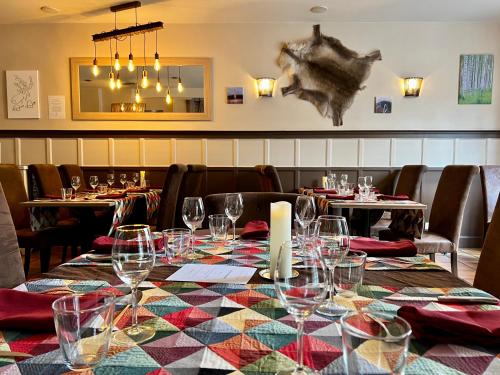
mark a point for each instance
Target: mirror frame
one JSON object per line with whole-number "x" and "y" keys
{"x": 77, "y": 114}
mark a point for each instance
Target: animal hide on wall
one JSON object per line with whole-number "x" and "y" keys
{"x": 324, "y": 72}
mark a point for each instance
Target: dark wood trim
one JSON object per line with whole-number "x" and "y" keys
{"x": 249, "y": 134}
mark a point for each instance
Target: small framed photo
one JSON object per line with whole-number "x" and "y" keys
{"x": 22, "y": 94}
{"x": 383, "y": 104}
{"x": 234, "y": 95}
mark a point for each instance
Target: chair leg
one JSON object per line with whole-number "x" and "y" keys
{"x": 45, "y": 259}
{"x": 454, "y": 263}
{"x": 432, "y": 257}
{"x": 27, "y": 260}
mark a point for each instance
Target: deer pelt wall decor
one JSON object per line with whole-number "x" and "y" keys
{"x": 324, "y": 72}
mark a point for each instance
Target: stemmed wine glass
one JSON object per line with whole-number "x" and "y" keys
{"x": 333, "y": 239}
{"x": 133, "y": 255}
{"x": 75, "y": 183}
{"x": 361, "y": 187}
{"x": 302, "y": 295}
{"x": 233, "y": 206}
{"x": 123, "y": 179}
{"x": 94, "y": 181}
{"x": 193, "y": 214}
{"x": 369, "y": 184}
{"x": 305, "y": 211}
{"x": 135, "y": 178}
{"x": 110, "y": 179}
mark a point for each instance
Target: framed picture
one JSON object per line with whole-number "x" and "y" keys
{"x": 22, "y": 94}
{"x": 383, "y": 104}
{"x": 234, "y": 95}
{"x": 476, "y": 79}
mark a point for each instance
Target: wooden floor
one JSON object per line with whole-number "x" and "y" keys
{"x": 467, "y": 263}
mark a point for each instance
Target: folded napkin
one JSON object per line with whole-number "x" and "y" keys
{"x": 104, "y": 244}
{"x": 139, "y": 190}
{"x": 53, "y": 196}
{"x": 324, "y": 191}
{"x": 387, "y": 197}
{"x": 255, "y": 229}
{"x": 26, "y": 311}
{"x": 112, "y": 196}
{"x": 458, "y": 327}
{"x": 340, "y": 197}
{"x": 403, "y": 248}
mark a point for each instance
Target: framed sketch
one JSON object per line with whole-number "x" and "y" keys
{"x": 234, "y": 95}
{"x": 476, "y": 79}
{"x": 383, "y": 104}
{"x": 22, "y": 94}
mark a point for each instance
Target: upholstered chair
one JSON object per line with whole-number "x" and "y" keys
{"x": 269, "y": 178}
{"x": 490, "y": 184}
{"x": 67, "y": 171}
{"x": 169, "y": 196}
{"x": 194, "y": 184}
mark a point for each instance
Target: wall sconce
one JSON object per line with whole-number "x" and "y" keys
{"x": 412, "y": 86}
{"x": 265, "y": 86}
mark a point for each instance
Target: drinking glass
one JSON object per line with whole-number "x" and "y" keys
{"x": 349, "y": 273}
{"x": 66, "y": 193}
{"x": 375, "y": 338}
{"x": 304, "y": 236}
{"x": 75, "y": 183}
{"x": 94, "y": 181}
{"x": 102, "y": 189}
{"x": 133, "y": 255}
{"x": 83, "y": 326}
{"x": 193, "y": 214}
{"x": 176, "y": 242}
{"x": 305, "y": 210}
{"x": 343, "y": 182}
{"x": 136, "y": 177}
{"x": 233, "y": 207}
{"x": 369, "y": 181}
{"x": 331, "y": 179}
{"x": 333, "y": 239}
{"x": 361, "y": 187}
{"x": 218, "y": 225}
{"x": 110, "y": 177}
{"x": 123, "y": 179}
{"x": 302, "y": 295}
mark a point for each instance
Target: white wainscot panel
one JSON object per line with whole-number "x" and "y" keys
{"x": 127, "y": 152}
{"x": 282, "y": 152}
{"x": 250, "y": 152}
{"x": 438, "y": 152}
{"x": 493, "y": 157}
{"x": 95, "y": 152}
{"x": 470, "y": 151}
{"x": 313, "y": 152}
{"x": 376, "y": 152}
{"x": 157, "y": 152}
{"x": 33, "y": 151}
{"x": 345, "y": 152}
{"x": 406, "y": 151}
{"x": 220, "y": 152}
{"x": 64, "y": 151}
{"x": 188, "y": 151}
{"x": 8, "y": 151}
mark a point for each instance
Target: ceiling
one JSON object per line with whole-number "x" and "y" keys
{"x": 253, "y": 11}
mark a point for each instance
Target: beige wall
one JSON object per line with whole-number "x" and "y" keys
{"x": 243, "y": 51}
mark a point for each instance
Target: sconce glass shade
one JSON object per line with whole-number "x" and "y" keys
{"x": 265, "y": 86}
{"x": 412, "y": 86}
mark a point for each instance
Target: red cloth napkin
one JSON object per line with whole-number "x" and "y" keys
{"x": 104, "y": 244}
{"x": 459, "y": 327}
{"x": 403, "y": 248}
{"x": 255, "y": 229}
{"x": 324, "y": 191}
{"x": 26, "y": 311}
{"x": 340, "y": 197}
{"x": 387, "y": 197}
{"x": 53, "y": 196}
{"x": 112, "y": 196}
{"x": 139, "y": 190}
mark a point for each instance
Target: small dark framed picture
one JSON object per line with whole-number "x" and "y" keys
{"x": 234, "y": 95}
{"x": 383, "y": 104}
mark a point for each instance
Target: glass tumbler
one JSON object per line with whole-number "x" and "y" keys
{"x": 177, "y": 242}
{"x": 349, "y": 273}
{"x": 218, "y": 225}
{"x": 83, "y": 326}
{"x": 66, "y": 194}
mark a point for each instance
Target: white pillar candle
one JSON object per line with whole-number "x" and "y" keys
{"x": 142, "y": 180}
{"x": 324, "y": 182}
{"x": 281, "y": 224}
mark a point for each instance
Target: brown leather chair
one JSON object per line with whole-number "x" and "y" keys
{"x": 69, "y": 170}
{"x": 445, "y": 221}
{"x": 489, "y": 261}
{"x": 169, "y": 196}
{"x": 256, "y": 206}
{"x": 194, "y": 183}
{"x": 490, "y": 183}
{"x": 409, "y": 181}
{"x": 269, "y": 178}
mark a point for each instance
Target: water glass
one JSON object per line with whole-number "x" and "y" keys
{"x": 129, "y": 184}
{"x": 136, "y": 177}
{"x": 66, "y": 193}
{"x": 176, "y": 242}
{"x": 83, "y": 326}
{"x": 374, "y": 342}
{"x": 94, "y": 181}
{"x": 349, "y": 273}
{"x": 218, "y": 225}
{"x": 75, "y": 183}
{"x": 304, "y": 236}
{"x": 193, "y": 214}
{"x": 331, "y": 180}
{"x": 369, "y": 182}
{"x": 102, "y": 189}
{"x": 305, "y": 210}
{"x": 233, "y": 207}
{"x": 123, "y": 179}
{"x": 110, "y": 178}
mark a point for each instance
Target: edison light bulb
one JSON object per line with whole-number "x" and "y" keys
{"x": 158, "y": 86}
{"x": 117, "y": 62}
{"x": 137, "y": 96}
{"x": 134, "y": 107}
{"x": 118, "y": 81}
{"x": 122, "y": 107}
{"x": 130, "y": 64}
{"x": 95, "y": 68}
{"x": 112, "y": 83}
{"x": 180, "y": 87}
{"x": 157, "y": 62}
{"x": 168, "y": 98}
{"x": 144, "y": 80}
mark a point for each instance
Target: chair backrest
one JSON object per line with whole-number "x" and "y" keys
{"x": 256, "y": 206}
{"x": 489, "y": 261}
{"x": 449, "y": 201}
{"x": 69, "y": 170}
{"x": 11, "y": 266}
{"x": 490, "y": 184}
{"x": 15, "y": 192}
{"x": 47, "y": 179}
{"x": 169, "y": 196}
{"x": 269, "y": 178}
{"x": 409, "y": 181}
{"x": 194, "y": 184}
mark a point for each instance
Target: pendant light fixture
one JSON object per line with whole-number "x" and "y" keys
{"x": 130, "y": 65}
{"x": 112, "y": 83}
{"x": 137, "y": 92}
{"x": 118, "y": 81}
{"x": 158, "y": 84}
{"x": 117, "y": 56}
{"x": 144, "y": 80}
{"x": 180, "y": 87}
{"x": 168, "y": 98}
{"x": 95, "y": 67}
{"x": 157, "y": 56}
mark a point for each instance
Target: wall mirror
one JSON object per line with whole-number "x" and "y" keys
{"x": 187, "y": 82}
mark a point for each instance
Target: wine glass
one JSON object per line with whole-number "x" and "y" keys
{"x": 94, "y": 181}
{"x": 305, "y": 211}
{"x": 362, "y": 187}
{"x": 343, "y": 181}
{"x": 302, "y": 295}
{"x": 333, "y": 239}
{"x": 233, "y": 206}
{"x": 193, "y": 214}
{"x": 133, "y": 255}
{"x": 110, "y": 179}
{"x": 123, "y": 179}
{"x": 135, "y": 178}
{"x": 331, "y": 180}
{"x": 75, "y": 183}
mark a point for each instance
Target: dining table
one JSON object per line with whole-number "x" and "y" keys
{"x": 217, "y": 328}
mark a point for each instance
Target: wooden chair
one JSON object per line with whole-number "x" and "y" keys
{"x": 490, "y": 184}
{"x": 169, "y": 196}
{"x": 194, "y": 183}
{"x": 489, "y": 261}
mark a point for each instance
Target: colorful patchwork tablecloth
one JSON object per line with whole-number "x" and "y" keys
{"x": 123, "y": 209}
{"x": 206, "y": 328}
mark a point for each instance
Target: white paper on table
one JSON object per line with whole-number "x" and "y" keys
{"x": 209, "y": 273}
